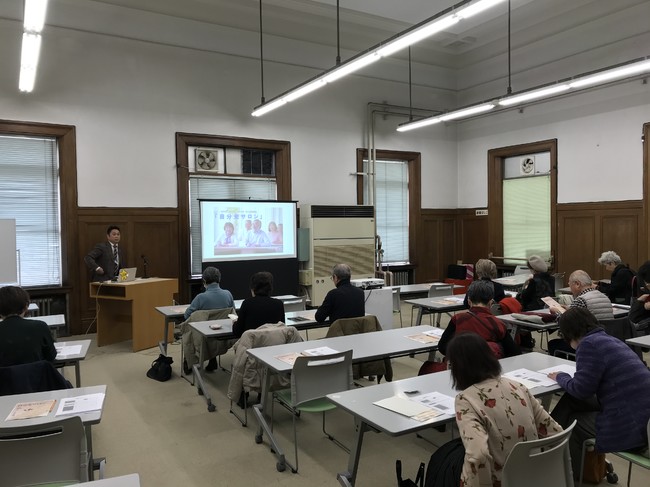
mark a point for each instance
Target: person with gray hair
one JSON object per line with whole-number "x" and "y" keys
{"x": 486, "y": 270}
{"x": 620, "y": 289}
{"x": 345, "y": 300}
{"x": 480, "y": 320}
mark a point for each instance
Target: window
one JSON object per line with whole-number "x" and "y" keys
{"x": 391, "y": 208}
{"x": 29, "y": 193}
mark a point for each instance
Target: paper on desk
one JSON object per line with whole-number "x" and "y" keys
{"x": 439, "y": 402}
{"x": 449, "y": 301}
{"x": 530, "y": 378}
{"x": 179, "y": 309}
{"x": 566, "y": 368}
{"x": 408, "y": 408}
{"x": 28, "y": 410}
{"x": 80, "y": 404}
{"x": 63, "y": 351}
{"x": 424, "y": 338}
{"x": 288, "y": 358}
{"x": 315, "y": 352}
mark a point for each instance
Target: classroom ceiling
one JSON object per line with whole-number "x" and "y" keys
{"x": 563, "y": 24}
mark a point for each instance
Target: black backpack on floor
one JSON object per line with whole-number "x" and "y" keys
{"x": 446, "y": 465}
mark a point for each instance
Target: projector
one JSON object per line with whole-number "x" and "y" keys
{"x": 369, "y": 283}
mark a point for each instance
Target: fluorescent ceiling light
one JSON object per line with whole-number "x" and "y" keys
{"x": 29, "y": 61}
{"x": 350, "y": 67}
{"x": 419, "y": 124}
{"x": 467, "y": 112}
{"x": 35, "y": 15}
{"x": 611, "y": 74}
{"x": 267, "y": 107}
{"x": 476, "y": 8}
{"x": 533, "y": 95}
{"x": 407, "y": 38}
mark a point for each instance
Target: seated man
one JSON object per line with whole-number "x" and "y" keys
{"x": 213, "y": 298}
{"x": 345, "y": 301}
{"x": 22, "y": 341}
{"x": 585, "y": 295}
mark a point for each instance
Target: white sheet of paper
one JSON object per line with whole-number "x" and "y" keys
{"x": 530, "y": 378}
{"x": 63, "y": 351}
{"x": 315, "y": 352}
{"x": 568, "y": 369}
{"x": 403, "y": 406}
{"x": 80, "y": 404}
{"x": 439, "y": 402}
{"x": 436, "y": 332}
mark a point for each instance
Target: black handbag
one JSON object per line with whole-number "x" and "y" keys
{"x": 161, "y": 368}
{"x": 419, "y": 478}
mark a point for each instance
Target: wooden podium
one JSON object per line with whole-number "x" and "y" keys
{"x": 127, "y": 311}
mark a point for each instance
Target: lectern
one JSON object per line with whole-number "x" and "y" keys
{"x": 127, "y": 310}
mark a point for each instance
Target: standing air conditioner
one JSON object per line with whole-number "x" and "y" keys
{"x": 337, "y": 234}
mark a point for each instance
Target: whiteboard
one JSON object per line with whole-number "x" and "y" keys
{"x": 8, "y": 263}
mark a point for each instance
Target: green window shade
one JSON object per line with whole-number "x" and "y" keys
{"x": 391, "y": 208}
{"x": 222, "y": 188}
{"x": 527, "y": 217}
{"x": 29, "y": 193}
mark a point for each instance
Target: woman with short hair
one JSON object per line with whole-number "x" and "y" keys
{"x": 260, "y": 308}
{"x": 619, "y": 290}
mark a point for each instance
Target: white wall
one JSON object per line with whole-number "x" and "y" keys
{"x": 128, "y": 98}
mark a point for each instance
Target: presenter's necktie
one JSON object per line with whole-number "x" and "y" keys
{"x": 116, "y": 260}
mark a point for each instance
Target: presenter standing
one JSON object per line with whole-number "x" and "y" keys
{"x": 107, "y": 258}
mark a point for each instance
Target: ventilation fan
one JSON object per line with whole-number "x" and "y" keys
{"x": 206, "y": 160}
{"x": 527, "y": 165}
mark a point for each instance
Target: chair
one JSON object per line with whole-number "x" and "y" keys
{"x": 247, "y": 373}
{"x": 434, "y": 292}
{"x": 52, "y": 453}
{"x": 397, "y": 304}
{"x": 294, "y": 304}
{"x": 540, "y": 463}
{"x": 191, "y": 343}
{"x": 312, "y": 378}
{"x": 38, "y": 376}
{"x": 635, "y": 458}
{"x": 362, "y": 324}
{"x": 621, "y": 328}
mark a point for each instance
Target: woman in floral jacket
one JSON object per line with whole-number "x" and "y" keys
{"x": 493, "y": 413}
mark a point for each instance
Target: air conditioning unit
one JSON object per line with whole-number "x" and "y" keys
{"x": 337, "y": 234}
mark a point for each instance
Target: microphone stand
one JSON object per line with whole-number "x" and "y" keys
{"x": 146, "y": 276}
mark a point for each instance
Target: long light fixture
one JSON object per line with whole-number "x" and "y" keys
{"x": 34, "y": 20}
{"x": 439, "y": 22}
{"x": 576, "y": 83}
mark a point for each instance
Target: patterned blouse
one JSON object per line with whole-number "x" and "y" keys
{"x": 492, "y": 417}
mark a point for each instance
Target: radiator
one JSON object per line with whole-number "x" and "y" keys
{"x": 400, "y": 278}
{"x": 44, "y": 306}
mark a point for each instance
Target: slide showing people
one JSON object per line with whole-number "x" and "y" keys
{"x": 228, "y": 238}
{"x": 257, "y": 237}
{"x": 275, "y": 235}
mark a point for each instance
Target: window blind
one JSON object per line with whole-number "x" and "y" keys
{"x": 222, "y": 188}
{"x": 391, "y": 208}
{"x": 527, "y": 217}
{"x": 29, "y": 193}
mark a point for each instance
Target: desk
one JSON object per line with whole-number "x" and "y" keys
{"x": 305, "y": 321}
{"x": 442, "y": 304}
{"x": 126, "y": 310}
{"x": 544, "y": 328}
{"x": 422, "y": 290}
{"x": 53, "y": 321}
{"x": 73, "y": 359}
{"x": 365, "y": 348}
{"x": 132, "y": 480}
{"x": 369, "y": 417}
{"x": 177, "y": 312}
{"x": 642, "y": 341}
{"x": 513, "y": 282}
{"x": 88, "y": 419}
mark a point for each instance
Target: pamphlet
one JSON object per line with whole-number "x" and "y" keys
{"x": 441, "y": 403}
{"x": 290, "y": 358}
{"x": 530, "y": 378}
{"x": 179, "y": 309}
{"x": 80, "y": 404}
{"x": 407, "y": 407}
{"x": 449, "y": 301}
{"x": 64, "y": 351}
{"x": 430, "y": 336}
{"x": 550, "y": 302}
{"x": 566, "y": 368}
{"x": 28, "y": 410}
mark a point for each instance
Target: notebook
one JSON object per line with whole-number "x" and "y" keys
{"x": 127, "y": 274}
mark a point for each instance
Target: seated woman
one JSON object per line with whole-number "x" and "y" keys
{"x": 486, "y": 270}
{"x": 537, "y": 287}
{"x": 274, "y": 234}
{"x": 261, "y": 308}
{"x": 608, "y": 394}
{"x": 228, "y": 238}
{"x": 493, "y": 413}
{"x": 619, "y": 290}
{"x": 480, "y": 320}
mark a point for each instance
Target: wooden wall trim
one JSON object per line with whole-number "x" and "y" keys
{"x": 609, "y": 205}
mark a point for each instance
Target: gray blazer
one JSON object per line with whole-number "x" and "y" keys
{"x": 102, "y": 256}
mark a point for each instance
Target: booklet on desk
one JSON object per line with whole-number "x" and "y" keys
{"x": 28, "y": 410}
{"x": 408, "y": 408}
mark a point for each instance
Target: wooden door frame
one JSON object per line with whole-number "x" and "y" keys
{"x": 495, "y": 190}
